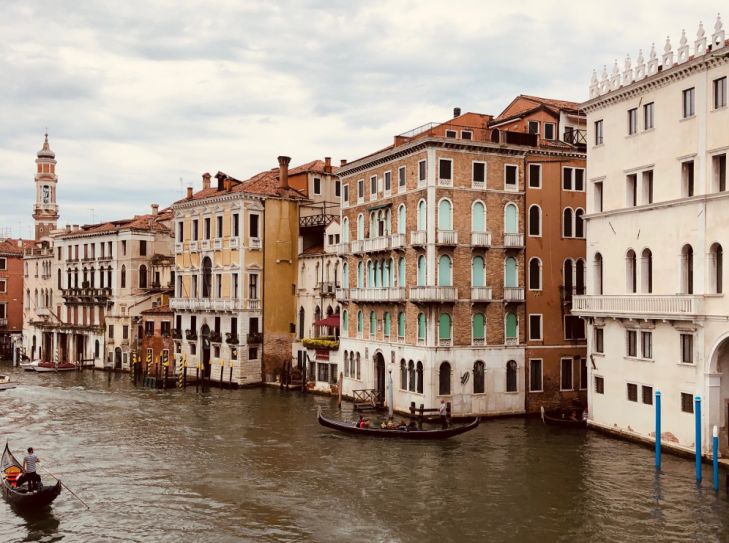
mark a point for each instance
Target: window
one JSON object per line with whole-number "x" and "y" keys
{"x": 549, "y": 131}
{"x": 123, "y": 277}
{"x": 444, "y": 329}
{"x": 719, "y": 87}
{"x": 388, "y": 181}
{"x": 478, "y": 329}
{"x": 535, "y": 327}
{"x": 479, "y": 173}
{"x": 687, "y": 348}
{"x": 401, "y": 324}
{"x": 124, "y": 248}
{"x": 647, "y": 393}
{"x": 687, "y": 402}
{"x": 718, "y": 163}
{"x": 598, "y": 133}
{"x": 598, "y": 196}
{"x": 646, "y": 265}
{"x": 630, "y": 272}
{"x": 579, "y": 224}
{"x": 688, "y": 103}
{"x": 444, "y": 379}
{"x": 337, "y": 188}
{"x": 510, "y": 177}
{"x": 535, "y": 375}
{"x": 567, "y": 223}
{"x": 373, "y": 185}
{"x": 111, "y": 331}
{"x": 236, "y": 227}
{"x": 3, "y": 286}
{"x": 252, "y": 286}
{"x": 206, "y": 231}
{"x": 373, "y": 323}
{"x": 648, "y": 116}
{"x": 421, "y": 327}
{"x": 535, "y": 221}
{"x": 565, "y": 380}
{"x": 511, "y": 377}
{"x": 631, "y": 190}
{"x": 445, "y": 170}
{"x": 535, "y": 274}
{"x": 599, "y": 385}
{"x": 253, "y": 226}
{"x": 573, "y": 179}
{"x": 401, "y": 176}
{"x": 478, "y": 377}
{"x": 194, "y": 231}
{"x": 512, "y": 327}
{"x": 646, "y": 344}
{"x": 466, "y": 135}
{"x": 421, "y": 171}
{"x": 631, "y": 337}
{"x": 647, "y": 189}
{"x": 632, "y": 121}
{"x": 317, "y": 186}
{"x": 345, "y": 195}
{"x": 583, "y": 373}
{"x": 687, "y": 270}
{"x": 533, "y": 127}
{"x": 632, "y": 392}
{"x": 180, "y": 233}
{"x": 717, "y": 268}
{"x": 450, "y": 134}
{"x": 687, "y": 178}
{"x": 360, "y": 189}
{"x": 535, "y": 176}
{"x": 219, "y": 226}
{"x": 142, "y": 276}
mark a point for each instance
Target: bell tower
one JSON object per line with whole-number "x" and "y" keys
{"x": 45, "y": 210}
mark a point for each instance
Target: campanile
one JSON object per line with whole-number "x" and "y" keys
{"x": 45, "y": 210}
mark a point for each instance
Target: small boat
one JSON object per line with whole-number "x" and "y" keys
{"x": 350, "y": 428}
{"x": 30, "y": 365}
{"x": 558, "y": 418}
{"x": 6, "y": 383}
{"x": 50, "y": 366}
{"x": 18, "y": 496}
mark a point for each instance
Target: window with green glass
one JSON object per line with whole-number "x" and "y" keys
{"x": 477, "y": 272}
{"x": 445, "y": 215}
{"x": 360, "y": 322}
{"x": 511, "y": 326}
{"x": 373, "y": 323}
{"x": 401, "y": 324}
{"x": 421, "y": 271}
{"x": 421, "y": 326}
{"x": 386, "y": 322}
{"x": 478, "y": 218}
{"x": 444, "y": 326}
{"x": 444, "y": 271}
{"x": 478, "y": 326}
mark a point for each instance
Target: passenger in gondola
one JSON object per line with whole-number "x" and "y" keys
{"x": 412, "y": 426}
{"x": 358, "y": 424}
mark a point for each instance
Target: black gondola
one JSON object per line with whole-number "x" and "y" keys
{"x": 18, "y": 496}
{"x": 557, "y": 418}
{"x": 350, "y": 428}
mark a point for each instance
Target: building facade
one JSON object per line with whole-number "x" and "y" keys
{"x": 657, "y": 202}
{"x": 11, "y": 297}
{"x": 157, "y": 346}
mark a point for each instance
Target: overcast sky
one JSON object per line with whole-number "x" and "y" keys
{"x": 140, "y": 94}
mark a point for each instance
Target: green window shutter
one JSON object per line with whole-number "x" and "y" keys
{"x": 511, "y": 325}
{"x": 421, "y": 326}
{"x": 477, "y": 219}
{"x": 444, "y": 215}
{"x": 387, "y": 323}
{"x": 478, "y": 326}
{"x": 444, "y": 326}
{"x": 477, "y": 272}
{"x": 444, "y": 271}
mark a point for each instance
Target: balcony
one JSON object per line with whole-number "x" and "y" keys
{"x": 176, "y": 333}
{"x": 481, "y": 294}
{"x": 381, "y": 294}
{"x": 254, "y": 337}
{"x": 231, "y": 338}
{"x": 418, "y": 238}
{"x": 215, "y": 337}
{"x": 3, "y": 323}
{"x": 567, "y": 292}
{"x": 513, "y": 294}
{"x": 204, "y": 304}
{"x": 43, "y": 312}
{"x": 675, "y": 307}
{"x": 433, "y": 294}
{"x": 342, "y": 294}
{"x": 575, "y": 136}
{"x": 478, "y": 342}
{"x": 253, "y": 304}
{"x": 342, "y": 249}
{"x": 217, "y": 244}
{"x": 513, "y": 240}
{"x": 377, "y": 244}
{"x": 254, "y": 244}
{"x": 193, "y": 247}
{"x": 481, "y": 239}
{"x": 447, "y": 237}
{"x": 104, "y": 258}
{"x": 511, "y": 341}
{"x": 233, "y": 243}
{"x": 327, "y": 288}
{"x": 397, "y": 241}
{"x": 357, "y": 246}
{"x": 205, "y": 245}
{"x": 179, "y": 247}
{"x": 86, "y": 294}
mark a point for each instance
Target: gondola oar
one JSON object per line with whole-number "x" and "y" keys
{"x": 64, "y": 486}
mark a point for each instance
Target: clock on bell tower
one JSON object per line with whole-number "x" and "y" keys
{"x": 45, "y": 210}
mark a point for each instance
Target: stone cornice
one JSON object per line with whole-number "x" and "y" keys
{"x": 227, "y": 197}
{"x": 701, "y": 198}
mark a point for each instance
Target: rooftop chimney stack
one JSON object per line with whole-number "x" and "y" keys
{"x": 227, "y": 184}
{"x": 456, "y": 112}
{"x": 155, "y": 209}
{"x": 206, "y": 180}
{"x": 283, "y": 171}
{"x": 189, "y": 193}
{"x": 343, "y": 162}
{"x": 328, "y": 164}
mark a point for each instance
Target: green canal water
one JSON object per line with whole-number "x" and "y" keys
{"x": 253, "y": 465}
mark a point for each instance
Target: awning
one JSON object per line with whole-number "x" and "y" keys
{"x": 329, "y": 322}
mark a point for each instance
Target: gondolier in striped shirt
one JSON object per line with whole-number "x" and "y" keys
{"x": 29, "y": 466}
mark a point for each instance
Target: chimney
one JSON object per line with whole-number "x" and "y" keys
{"x": 328, "y": 164}
{"x": 75, "y": 227}
{"x": 20, "y": 242}
{"x": 456, "y": 112}
{"x": 342, "y": 162}
{"x": 155, "y": 209}
{"x": 189, "y": 193}
{"x": 68, "y": 228}
{"x": 227, "y": 184}
{"x": 206, "y": 180}
{"x": 283, "y": 171}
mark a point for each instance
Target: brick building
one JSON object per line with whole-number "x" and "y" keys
{"x": 11, "y": 296}
{"x": 156, "y": 344}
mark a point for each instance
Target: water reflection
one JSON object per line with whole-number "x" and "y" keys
{"x": 40, "y": 524}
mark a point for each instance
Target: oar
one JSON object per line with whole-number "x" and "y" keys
{"x": 64, "y": 486}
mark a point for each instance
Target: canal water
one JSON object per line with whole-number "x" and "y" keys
{"x": 253, "y": 465}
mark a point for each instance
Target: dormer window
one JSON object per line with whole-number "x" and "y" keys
{"x": 549, "y": 131}
{"x": 533, "y": 127}
{"x": 450, "y": 134}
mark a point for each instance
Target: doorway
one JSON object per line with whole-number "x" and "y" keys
{"x": 380, "y": 377}
{"x": 205, "y": 335}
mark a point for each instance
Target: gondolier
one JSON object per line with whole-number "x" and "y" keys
{"x": 29, "y": 466}
{"x": 13, "y": 490}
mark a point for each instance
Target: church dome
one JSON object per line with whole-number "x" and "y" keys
{"x": 46, "y": 152}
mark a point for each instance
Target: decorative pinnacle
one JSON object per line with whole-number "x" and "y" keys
{"x": 700, "y": 32}
{"x": 667, "y": 47}
{"x": 718, "y": 25}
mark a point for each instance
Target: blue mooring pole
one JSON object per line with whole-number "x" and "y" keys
{"x": 658, "y": 429}
{"x": 697, "y": 412}
{"x": 715, "y": 458}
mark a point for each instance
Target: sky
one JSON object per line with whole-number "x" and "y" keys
{"x": 140, "y": 98}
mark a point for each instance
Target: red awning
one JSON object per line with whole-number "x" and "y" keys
{"x": 329, "y": 322}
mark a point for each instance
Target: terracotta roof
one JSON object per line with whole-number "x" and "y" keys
{"x": 315, "y": 166}
{"x": 9, "y": 246}
{"x": 159, "y": 310}
{"x": 525, "y": 103}
{"x": 148, "y": 222}
{"x": 314, "y": 250}
{"x": 559, "y": 104}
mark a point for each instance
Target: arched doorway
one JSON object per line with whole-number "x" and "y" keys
{"x": 379, "y": 362}
{"x": 719, "y": 395}
{"x": 117, "y": 358}
{"x": 205, "y": 337}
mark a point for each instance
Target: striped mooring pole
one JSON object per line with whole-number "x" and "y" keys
{"x": 715, "y": 457}
{"x": 697, "y": 412}
{"x": 658, "y": 429}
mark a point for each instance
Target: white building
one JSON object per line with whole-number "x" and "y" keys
{"x": 658, "y": 138}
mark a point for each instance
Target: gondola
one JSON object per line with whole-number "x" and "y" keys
{"x": 350, "y": 428}
{"x": 50, "y": 366}
{"x": 555, "y": 418}
{"x": 19, "y": 497}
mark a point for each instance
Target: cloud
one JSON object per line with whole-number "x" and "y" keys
{"x": 141, "y": 94}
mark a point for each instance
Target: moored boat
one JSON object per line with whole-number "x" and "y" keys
{"x": 563, "y": 419}
{"x": 30, "y": 366}
{"x": 50, "y": 366}
{"x": 18, "y": 495}
{"x": 351, "y": 428}
{"x": 6, "y": 383}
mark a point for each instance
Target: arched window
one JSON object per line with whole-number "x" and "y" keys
{"x": 579, "y": 224}
{"x": 92, "y": 279}
{"x": 302, "y": 315}
{"x": 646, "y": 271}
{"x": 403, "y": 375}
{"x": 512, "y": 332}
{"x": 411, "y": 376}
{"x": 597, "y": 268}
{"x": 345, "y": 275}
{"x": 478, "y": 377}
{"x": 360, "y": 226}
{"x": 511, "y": 381}
{"x": 717, "y": 268}
{"x": 358, "y": 365}
{"x": 96, "y": 349}
{"x": 401, "y": 272}
{"x": 373, "y": 324}
{"x": 317, "y": 317}
{"x": 444, "y": 379}
{"x": 444, "y": 329}
{"x": 478, "y": 217}
{"x": 421, "y": 327}
{"x": 535, "y": 221}
{"x": 401, "y": 224}
{"x": 345, "y": 323}
{"x": 345, "y": 230}
{"x": 422, "y": 215}
{"x": 687, "y": 270}
{"x": 579, "y": 276}
{"x": 567, "y": 277}
{"x": 58, "y": 275}
{"x": 511, "y": 221}
{"x": 370, "y": 274}
{"x": 143, "y": 278}
{"x": 445, "y": 215}
{"x": 421, "y": 270}
{"x": 360, "y": 323}
{"x": 207, "y": 277}
{"x": 630, "y": 272}
{"x": 386, "y": 324}
{"x": 535, "y": 274}
{"x": 401, "y": 324}
{"x": 419, "y": 377}
{"x": 445, "y": 278}
{"x": 477, "y": 272}
{"x": 123, "y": 276}
{"x": 360, "y": 274}
{"x": 346, "y": 364}
{"x": 510, "y": 278}
{"x": 567, "y": 223}
{"x": 478, "y": 329}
